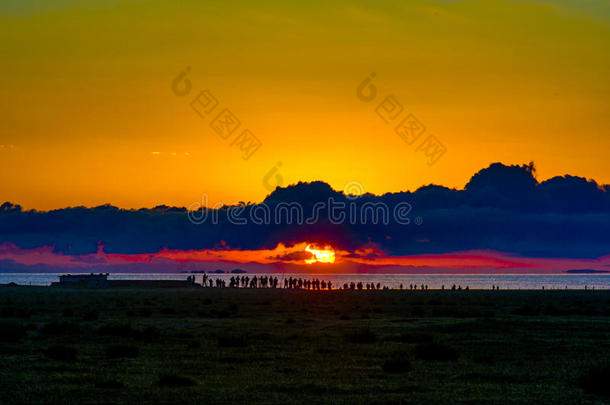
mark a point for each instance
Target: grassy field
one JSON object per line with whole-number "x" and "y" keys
{"x": 277, "y": 346}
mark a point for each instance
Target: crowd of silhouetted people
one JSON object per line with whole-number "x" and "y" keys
{"x": 241, "y": 282}
{"x": 295, "y": 283}
{"x": 314, "y": 284}
{"x": 267, "y": 282}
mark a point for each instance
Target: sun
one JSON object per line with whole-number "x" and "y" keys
{"x": 326, "y": 255}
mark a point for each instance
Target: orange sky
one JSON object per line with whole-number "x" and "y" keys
{"x": 86, "y": 95}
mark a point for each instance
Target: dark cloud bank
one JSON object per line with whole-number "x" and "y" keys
{"x": 502, "y": 208}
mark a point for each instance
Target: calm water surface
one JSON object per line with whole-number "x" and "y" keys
{"x": 514, "y": 282}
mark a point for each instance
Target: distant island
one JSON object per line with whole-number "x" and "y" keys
{"x": 586, "y": 271}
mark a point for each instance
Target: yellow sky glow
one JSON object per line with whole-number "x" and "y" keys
{"x": 88, "y": 115}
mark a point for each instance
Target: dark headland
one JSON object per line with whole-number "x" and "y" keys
{"x": 586, "y": 271}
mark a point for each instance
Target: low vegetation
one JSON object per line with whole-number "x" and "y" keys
{"x": 275, "y": 346}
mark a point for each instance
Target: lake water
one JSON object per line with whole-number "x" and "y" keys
{"x": 435, "y": 281}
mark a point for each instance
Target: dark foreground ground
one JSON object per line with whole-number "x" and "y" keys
{"x": 276, "y": 346}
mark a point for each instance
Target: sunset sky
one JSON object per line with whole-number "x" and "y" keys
{"x": 350, "y": 180}
{"x": 111, "y": 108}
{"x": 89, "y": 116}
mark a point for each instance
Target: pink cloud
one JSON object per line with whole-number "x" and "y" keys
{"x": 280, "y": 258}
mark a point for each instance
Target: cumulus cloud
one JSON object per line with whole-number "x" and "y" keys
{"x": 502, "y": 208}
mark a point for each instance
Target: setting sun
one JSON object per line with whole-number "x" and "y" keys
{"x": 326, "y": 255}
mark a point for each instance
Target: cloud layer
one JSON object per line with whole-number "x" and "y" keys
{"x": 501, "y": 209}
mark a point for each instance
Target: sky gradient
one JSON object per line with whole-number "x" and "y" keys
{"x": 89, "y": 117}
